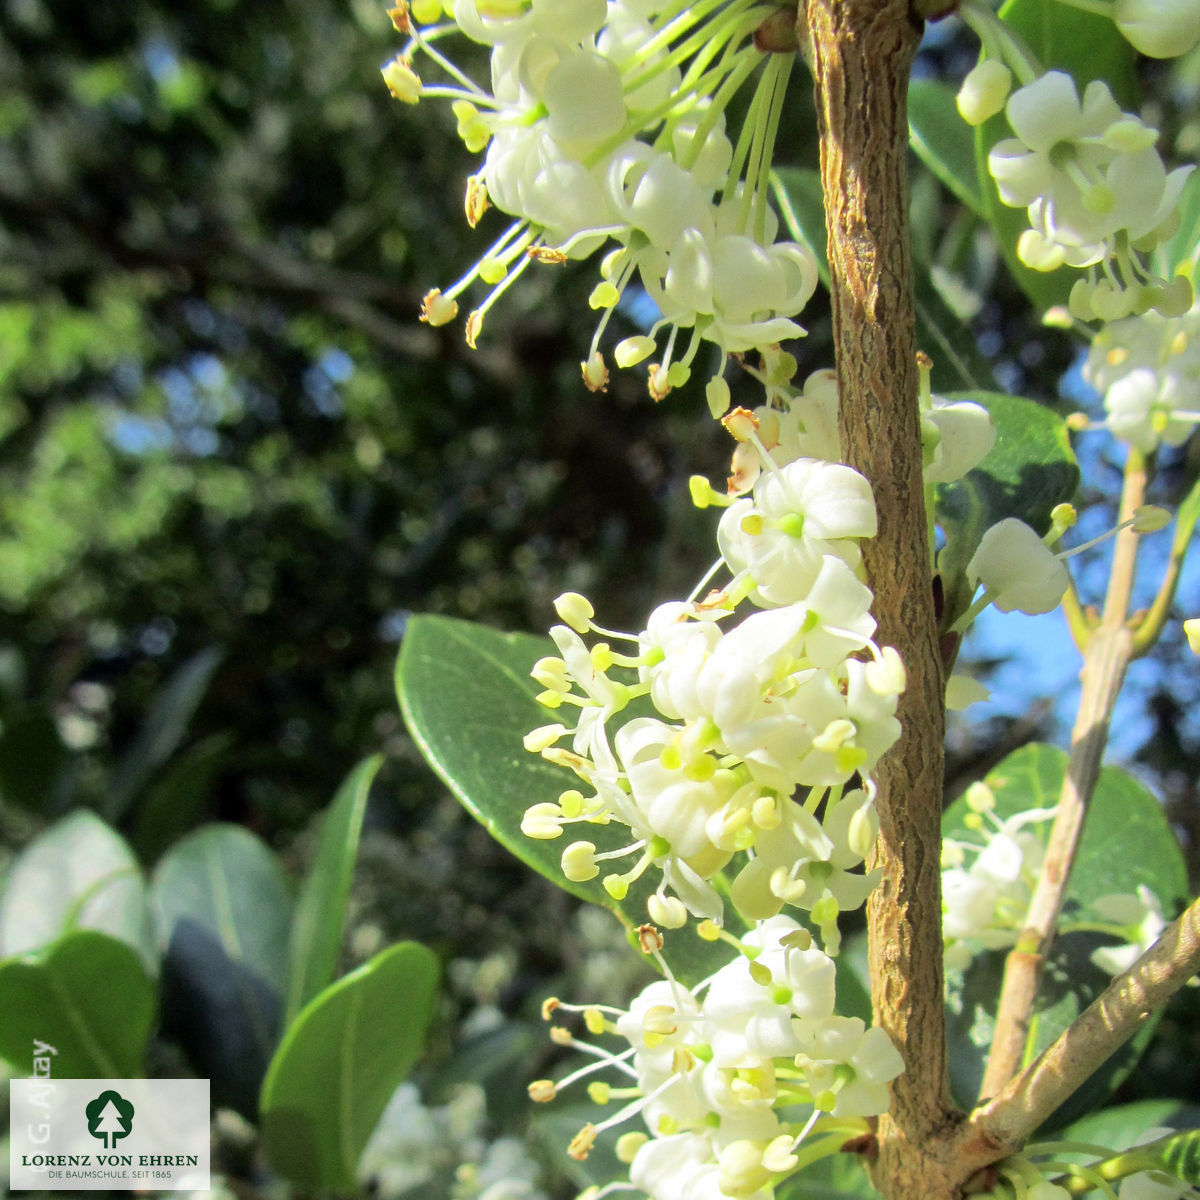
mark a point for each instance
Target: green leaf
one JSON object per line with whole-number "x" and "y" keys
{"x": 316, "y": 936}
{"x": 1088, "y": 46}
{"x": 89, "y": 997}
{"x": 340, "y": 1062}
{"x": 838, "y": 1177}
{"x": 1029, "y": 470}
{"x": 229, "y": 882}
{"x": 79, "y": 873}
{"x": 468, "y": 700}
{"x": 1179, "y": 1153}
{"x": 957, "y": 362}
{"x": 32, "y": 756}
{"x": 1123, "y": 814}
{"x": 1182, "y": 252}
{"x": 167, "y": 719}
{"x": 943, "y": 141}
{"x": 1121, "y": 1125}
{"x": 171, "y": 805}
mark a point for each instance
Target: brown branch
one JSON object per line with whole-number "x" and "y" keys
{"x": 1106, "y": 657}
{"x": 1098, "y": 1033}
{"x": 860, "y": 52}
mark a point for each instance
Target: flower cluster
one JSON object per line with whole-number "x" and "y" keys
{"x": 1096, "y": 192}
{"x": 766, "y": 729}
{"x": 987, "y": 886}
{"x": 730, "y": 1078}
{"x": 1148, "y": 370}
{"x": 605, "y": 124}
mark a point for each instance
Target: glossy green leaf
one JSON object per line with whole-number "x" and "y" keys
{"x": 1086, "y": 45}
{"x": 1029, "y": 470}
{"x": 943, "y": 141}
{"x": 340, "y": 1062}
{"x": 316, "y": 936}
{"x": 957, "y": 362}
{"x": 166, "y": 722}
{"x": 229, "y": 882}
{"x": 1126, "y": 843}
{"x": 89, "y": 997}
{"x": 78, "y": 874}
{"x": 468, "y": 700}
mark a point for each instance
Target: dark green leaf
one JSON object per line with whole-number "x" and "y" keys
{"x": 79, "y": 873}
{"x": 957, "y": 362}
{"x": 89, "y": 997}
{"x": 171, "y": 805}
{"x": 1086, "y": 45}
{"x": 32, "y": 757}
{"x": 1029, "y": 470}
{"x": 1122, "y": 815}
{"x": 468, "y": 699}
{"x": 166, "y": 723}
{"x": 229, "y": 882}
{"x": 316, "y": 937}
{"x": 340, "y": 1062}
{"x": 944, "y": 142}
{"x": 221, "y": 1013}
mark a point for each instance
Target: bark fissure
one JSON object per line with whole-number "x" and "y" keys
{"x": 860, "y": 52}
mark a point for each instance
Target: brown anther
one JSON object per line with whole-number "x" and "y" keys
{"x": 474, "y": 325}
{"x": 476, "y": 202}
{"x": 740, "y": 423}
{"x": 436, "y": 309}
{"x": 547, "y": 254}
{"x": 924, "y": 362}
{"x": 650, "y": 940}
{"x": 715, "y": 599}
{"x": 400, "y": 18}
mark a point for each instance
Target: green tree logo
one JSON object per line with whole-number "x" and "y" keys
{"x": 109, "y": 1117}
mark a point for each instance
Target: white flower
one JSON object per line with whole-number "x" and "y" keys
{"x": 1141, "y": 916}
{"x": 800, "y": 513}
{"x": 1085, "y": 170}
{"x": 853, "y": 1063}
{"x": 1018, "y": 569}
{"x": 964, "y": 436}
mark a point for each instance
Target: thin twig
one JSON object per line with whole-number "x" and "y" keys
{"x": 1108, "y": 652}
{"x": 1102, "y": 1029}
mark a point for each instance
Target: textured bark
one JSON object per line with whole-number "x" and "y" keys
{"x": 860, "y": 52}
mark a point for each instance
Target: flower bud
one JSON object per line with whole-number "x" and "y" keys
{"x": 1159, "y": 28}
{"x": 984, "y": 91}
